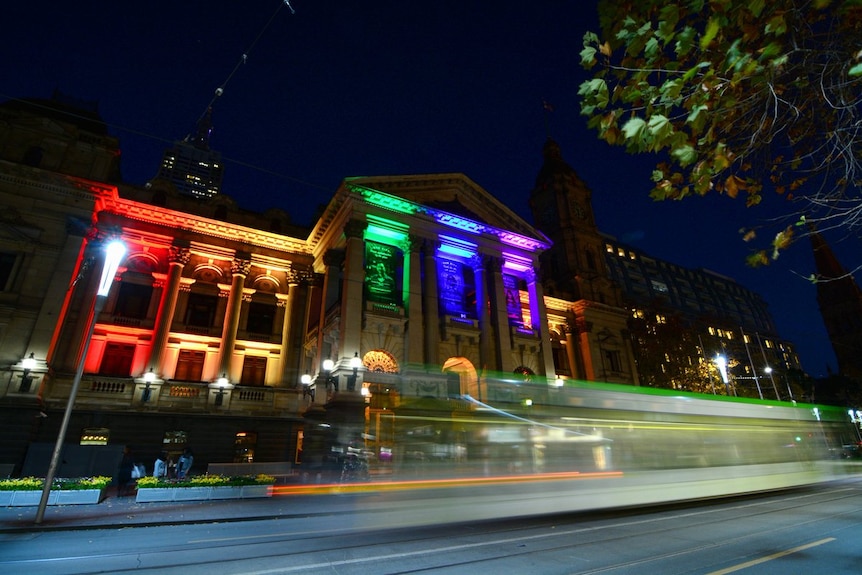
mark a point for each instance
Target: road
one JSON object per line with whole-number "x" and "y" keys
{"x": 815, "y": 530}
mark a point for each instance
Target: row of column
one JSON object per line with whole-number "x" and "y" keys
{"x": 422, "y": 306}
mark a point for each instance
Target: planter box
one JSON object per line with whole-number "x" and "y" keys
{"x": 62, "y": 497}
{"x": 155, "y": 494}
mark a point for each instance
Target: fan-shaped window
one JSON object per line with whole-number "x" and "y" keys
{"x": 381, "y": 361}
{"x": 525, "y": 372}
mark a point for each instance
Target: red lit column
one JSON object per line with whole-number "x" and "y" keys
{"x": 178, "y": 258}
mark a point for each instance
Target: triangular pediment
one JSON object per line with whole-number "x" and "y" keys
{"x": 453, "y": 193}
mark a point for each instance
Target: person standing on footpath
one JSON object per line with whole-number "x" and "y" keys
{"x": 124, "y": 472}
{"x": 160, "y": 467}
{"x": 184, "y": 463}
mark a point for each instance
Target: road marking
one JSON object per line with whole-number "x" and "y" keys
{"x": 771, "y": 557}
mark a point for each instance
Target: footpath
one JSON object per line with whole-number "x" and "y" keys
{"x": 122, "y": 512}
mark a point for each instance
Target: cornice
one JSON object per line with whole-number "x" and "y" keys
{"x": 196, "y": 224}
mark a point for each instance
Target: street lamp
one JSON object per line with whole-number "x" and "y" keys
{"x": 355, "y": 363}
{"x": 328, "y": 366}
{"x": 149, "y": 378}
{"x": 222, "y": 384}
{"x": 115, "y": 251}
{"x": 721, "y": 364}
{"x": 28, "y": 363}
{"x": 307, "y": 390}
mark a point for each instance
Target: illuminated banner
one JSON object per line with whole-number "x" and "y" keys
{"x": 381, "y": 265}
{"x": 513, "y": 300}
{"x": 455, "y": 288}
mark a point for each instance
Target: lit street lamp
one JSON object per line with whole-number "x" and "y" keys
{"x": 115, "y": 251}
{"x": 721, "y": 364}
{"x": 28, "y": 363}
{"x": 307, "y": 390}
{"x": 328, "y": 366}
{"x": 355, "y": 363}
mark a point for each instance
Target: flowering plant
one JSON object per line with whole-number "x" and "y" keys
{"x": 60, "y": 483}
{"x": 206, "y": 481}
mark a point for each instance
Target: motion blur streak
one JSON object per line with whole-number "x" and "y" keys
{"x": 434, "y": 483}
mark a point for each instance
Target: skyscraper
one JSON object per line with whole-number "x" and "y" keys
{"x": 191, "y": 165}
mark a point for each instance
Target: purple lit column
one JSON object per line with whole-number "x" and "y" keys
{"x": 500, "y": 315}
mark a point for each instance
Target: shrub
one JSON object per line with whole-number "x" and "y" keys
{"x": 205, "y": 481}
{"x": 65, "y": 483}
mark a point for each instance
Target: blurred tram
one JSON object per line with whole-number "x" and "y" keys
{"x": 528, "y": 448}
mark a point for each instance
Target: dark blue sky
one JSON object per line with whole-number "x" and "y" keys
{"x": 348, "y": 88}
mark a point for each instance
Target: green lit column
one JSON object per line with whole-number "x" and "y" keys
{"x": 414, "y": 303}
{"x": 352, "y": 291}
{"x": 430, "y": 307}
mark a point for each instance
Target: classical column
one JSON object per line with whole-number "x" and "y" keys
{"x": 500, "y": 316}
{"x": 414, "y": 302}
{"x": 352, "y": 290}
{"x": 540, "y": 322}
{"x": 572, "y": 354}
{"x": 239, "y": 270}
{"x": 482, "y": 312}
{"x": 178, "y": 257}
{"x": 430, "y": 307}
{"x": 293, "y": 327}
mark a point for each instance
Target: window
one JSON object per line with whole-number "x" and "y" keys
{"x": 201, "y": 308}
{"x": 95, "y": 436}
{"x": 190, "y": 365}
{"x": 7, "y": 265}
{"x": 117, "y": 359}
{"x": 612, "y": 357}
{"x": 260, "y": 318}
{"x": 133, "y": 300}
{"x": 244, "y": 444}
{"x": 253, "y": 370}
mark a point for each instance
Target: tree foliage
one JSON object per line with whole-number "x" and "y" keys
{"x": 737, "y": 97}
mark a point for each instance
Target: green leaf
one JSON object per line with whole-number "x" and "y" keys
{"x": 660, "y": 128}
{"x": 634, "y": 128}
{"x": 588, "y": 57}
{"x": 856, "y": 70}
{"x": 712, "y": 28}
{"x": 684, "y": 155}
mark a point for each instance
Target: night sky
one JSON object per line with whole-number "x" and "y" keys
{"x": 349, "y": 88}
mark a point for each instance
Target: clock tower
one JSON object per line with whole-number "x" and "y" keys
{"x": 596, "y": 339}
{"x": 574, "y": 268}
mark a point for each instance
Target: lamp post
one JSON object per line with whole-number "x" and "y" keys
{"x": 307, "y": 390}
{"x": 328, "y": 365}
{"x": 222, "y": 384}
{"x": 149, "y": 378}
{"x": 28, "y": 363}
{"x": 115, "y": 251}
{"x": 355, "y": 363}
{"x": 721, "y": 364}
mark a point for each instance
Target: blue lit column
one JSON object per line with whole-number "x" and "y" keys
{"x": 482, "y": 312}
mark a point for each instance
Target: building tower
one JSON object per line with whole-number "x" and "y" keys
{"x": 574, "y": 269}
{"x": 191, "y": 166}
{"x": 840, "y": 301}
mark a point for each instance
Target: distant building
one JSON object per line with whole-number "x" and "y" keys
{"x": 682, "y": 319}
{"x": 669, "y": 322}
{"x": 840, "y": 302}
{"x": 191, "y": 166}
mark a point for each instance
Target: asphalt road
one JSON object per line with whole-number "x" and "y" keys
{"x": 802, "y": 531}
